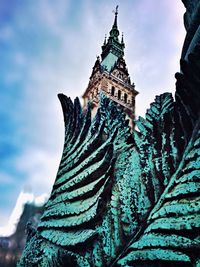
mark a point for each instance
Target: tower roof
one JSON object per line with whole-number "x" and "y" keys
{"x": 114, "y": 33}
{"x": 112, "y": 48}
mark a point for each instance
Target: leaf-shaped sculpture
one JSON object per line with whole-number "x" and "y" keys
{"x": 128, "y": 200}
{"x": 172, "y": 228}
{"x": 82, "y": 177}
{"x": 85, "y": 176}
{"x": 171, "y": 232}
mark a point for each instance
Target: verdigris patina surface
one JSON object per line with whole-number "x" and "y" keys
{"x": 128, "y": 199}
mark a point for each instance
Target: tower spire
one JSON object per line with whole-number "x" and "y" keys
{"x": 116, "y": 13}
{"x": 122, "y": 40}
{"x": 110, "y": 75}
{"x": 112, "y": 48}
{"x": 114, "y": 33}
{"x": 105, "y": 40}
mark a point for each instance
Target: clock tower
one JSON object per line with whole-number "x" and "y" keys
{"x": 110, "y": 75}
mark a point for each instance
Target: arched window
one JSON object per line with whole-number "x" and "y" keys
{"x": 119, "y": 94}
{"x": 125, "y": 98}
{"x": 113, "y": 90}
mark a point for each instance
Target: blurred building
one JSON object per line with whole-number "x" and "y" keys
{"x": 28, "y": 210}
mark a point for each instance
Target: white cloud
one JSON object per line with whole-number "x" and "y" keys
{"x": 23, "y": 198}
{"x": 154, "y": 49}
{"x": 39, "y": 167}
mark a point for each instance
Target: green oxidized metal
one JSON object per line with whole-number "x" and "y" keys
{"x": 128, "y": 199}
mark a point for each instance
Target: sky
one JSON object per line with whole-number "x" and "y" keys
{"x": 49, "y": 47}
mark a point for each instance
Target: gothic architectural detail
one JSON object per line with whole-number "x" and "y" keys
{"x": 110, "y": 76}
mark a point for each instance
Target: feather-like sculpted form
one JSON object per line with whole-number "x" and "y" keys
{"x": 122, "y": 199}
{"x": 170, "y": 149}
{"x": 84, "y": 176}
{"x": 173, "y": 225}
{"x": 81, "y": 192}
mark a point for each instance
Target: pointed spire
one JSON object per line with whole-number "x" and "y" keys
{"x": 116, "y": 13}
{"x": 114, "y": 33}
{"x": 104, "y": 43}
{"x": 97, "y": 66}
{"x": 122, "y": 40}
{"x": 112, "y": 44}
{"x": 97, "y": 62}
{"x": 105, "y": 40}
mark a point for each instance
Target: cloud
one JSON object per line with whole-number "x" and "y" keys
{"x": 154, "y": 49}
{"x": 34, "y": 169}
{"x": 39, "y": 167}
{"x": 23, "y": 198}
